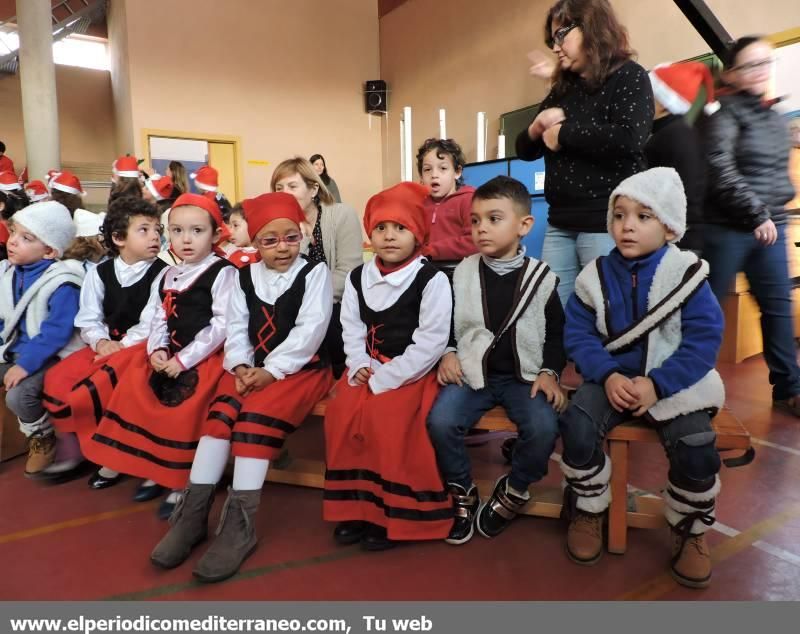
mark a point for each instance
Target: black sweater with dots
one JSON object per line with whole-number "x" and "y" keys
{"x": 602, "y": 143}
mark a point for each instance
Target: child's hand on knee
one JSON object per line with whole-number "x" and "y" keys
{"x": 239, "y": 374}
{"x": 621, "y": 392}
{"x": 362, "y": 376}
{"x": 450, "y": 370}
{"x": 256, "y": 379}
{"x": 14, "y": 376}
{"x": 158, "y": 359}
{"x": 172, "y": 368}
{"x": 647, "y": 395}
{"x": 547, "y": 385}
{"x": 107, "y": 347}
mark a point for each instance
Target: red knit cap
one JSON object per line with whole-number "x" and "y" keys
{"x": 263, "y": 209}
{"x": 401, "y": 204}
{"x": 196, "y": 200}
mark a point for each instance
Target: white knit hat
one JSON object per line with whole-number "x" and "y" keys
{"x": 50, "y": 222}
{"x": 661, "y": 190}
{"x": 87, "y": 223}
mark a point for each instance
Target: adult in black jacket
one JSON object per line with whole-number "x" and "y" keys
{"x": 591, "y": 130}
{"x": 747, "y": 148}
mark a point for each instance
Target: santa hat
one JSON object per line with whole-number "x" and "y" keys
{"x": 50, "y": 222}
{"x": 676, "y": 86}
{"x": 67, "y": 182}
{"x": 160, "y": 186}
{"x": 9, "y": 182}
{"x": 402, "y": 204}
{"x": 87, "y": 223}
{"x": 51, "y": 176}
{"x": 661, "y": 190}
{"x": 263, "y": 209}
{"x": 126, "y": 166}
{"x": 205, "y": 203}
{"x": 206, "y": 178}
{"x": 37, "y": 191}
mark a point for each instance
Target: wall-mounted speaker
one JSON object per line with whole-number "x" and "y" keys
{"x": 375, "y": 96}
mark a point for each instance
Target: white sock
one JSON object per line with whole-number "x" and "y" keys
{"x": 149, "y": 483}
{"x": 209, "y": 460}
{"x": 108, "y": 473}
{"x": 249, "y": 473}
{"x": 173, "y": 497}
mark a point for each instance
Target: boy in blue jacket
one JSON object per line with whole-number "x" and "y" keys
{"x": 644, "y": 330}
{"x": 38, "y": 303}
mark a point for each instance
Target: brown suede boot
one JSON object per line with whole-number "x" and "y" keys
{"x": 41, "y": 453}
{"x": 691, "y": 560}
{"x": 585, "y": 538}
{"x": 189, "y": 526}
{"x": 236, "y": 538}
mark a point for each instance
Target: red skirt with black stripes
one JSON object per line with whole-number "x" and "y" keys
{"x": 381, "y": 466}
{"x": 151, "y": 426}
{"x": 257, "y": 425}
{"x": 77, "y": 389}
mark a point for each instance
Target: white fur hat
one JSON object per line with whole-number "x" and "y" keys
{"x": 50, "y": 222}
{"x": 87, "y": 223}
{"x": 661, "y": 190}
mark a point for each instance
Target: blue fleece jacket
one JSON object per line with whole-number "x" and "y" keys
{"x": 56, "y": 330}
{"x": 628, "y": 285}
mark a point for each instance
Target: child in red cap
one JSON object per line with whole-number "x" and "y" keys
{"x": 277, "y": 371}
{"x": 154, "y": 417}
{"x": 382, "y": 483}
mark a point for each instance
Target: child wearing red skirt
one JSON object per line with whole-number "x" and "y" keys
{"x": 382, "y": 483}
{"x": 112, "y": 319}
{"x": 153, "y": 420}
{"x": 277, "y": 319}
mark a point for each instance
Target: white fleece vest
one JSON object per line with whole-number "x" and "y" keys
{"x": 33, "y": 303}
{"x": 474, "y": 339}
{"x": 661, "y": 325}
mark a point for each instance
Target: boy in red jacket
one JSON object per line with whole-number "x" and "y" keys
{"x": 448, "y": 207}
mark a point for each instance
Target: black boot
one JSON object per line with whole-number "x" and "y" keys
{"x": 498, "y": 512}
{"x": 465, "y": 507}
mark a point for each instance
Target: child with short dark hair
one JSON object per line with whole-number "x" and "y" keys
{"x": 245, "y": 253}
{"x": 112, "y": 318}
{"x": 38, "y": 303}
{"x": 440, "y": 163}
{"x": 506, "y": 350}
{"x": 644, "y": 330}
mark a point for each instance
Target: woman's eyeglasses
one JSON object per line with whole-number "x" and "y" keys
{"x": 560, "y": 34}
{"x": 753, "y": 66}
{"x": 270, "y": 242}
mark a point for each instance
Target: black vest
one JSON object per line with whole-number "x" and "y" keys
{"x": 270, "y": 324}
{"x": 389, "y": 331}
{"x": 189, "y": 311}
{"x": 122, "y": 306}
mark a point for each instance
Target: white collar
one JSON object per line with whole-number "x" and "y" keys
{"x": 274, "y": 277}
{"x": 122, "y": 265}
{"x": 373, "y": 277}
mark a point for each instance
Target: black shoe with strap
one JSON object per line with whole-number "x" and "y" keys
{"x": 465, "y": 506}
{"x": 499, "y": 511}
{"x": 375, "y": 539}
{"x": 349, "y": 532}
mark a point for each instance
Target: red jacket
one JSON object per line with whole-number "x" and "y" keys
{"x": 7, "y": 165}
{"x": 451, "y": 230}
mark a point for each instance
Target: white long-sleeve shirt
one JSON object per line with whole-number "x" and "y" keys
{"x": 429, "y": 339}
{"x": 310, "y": 327}
{"x": 91, "y": 317}
{"x": 180, "y": 277}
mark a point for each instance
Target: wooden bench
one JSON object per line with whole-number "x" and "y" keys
{"x": 635, "y": 510}
{"x": 12, "y": 441}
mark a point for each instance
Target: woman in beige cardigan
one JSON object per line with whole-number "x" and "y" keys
{"x": 334, "y": 235}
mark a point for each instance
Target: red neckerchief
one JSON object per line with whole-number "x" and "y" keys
{"x": 386, "y": 269}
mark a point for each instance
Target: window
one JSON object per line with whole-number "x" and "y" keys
{"x": 73, "y": 50}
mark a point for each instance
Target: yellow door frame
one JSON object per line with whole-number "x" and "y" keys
{"x": 200, "y": 136}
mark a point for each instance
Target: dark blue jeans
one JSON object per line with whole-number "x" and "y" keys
{"x": 729, "y": 251}
{"x": 689, "y": 440}
{"x": 457, "y": 409}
